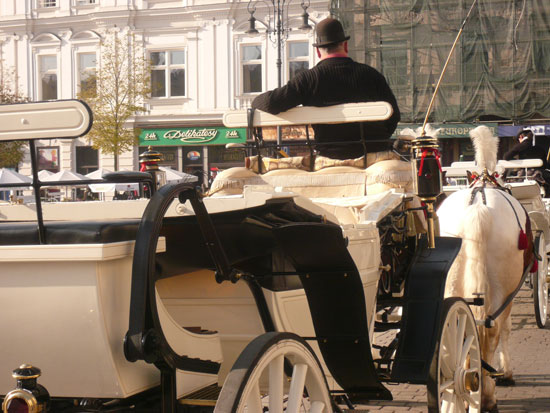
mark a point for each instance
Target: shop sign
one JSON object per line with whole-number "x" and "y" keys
{"x": 192, "y": 136}
{"x": 450, "y": 130}
{"x": 513, "y": 130}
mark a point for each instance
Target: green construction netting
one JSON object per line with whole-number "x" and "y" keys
{"x": 500, "y": 68}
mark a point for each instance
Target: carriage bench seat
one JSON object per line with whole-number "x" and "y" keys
{"x": 70, "y": 232}
{"x": 524, "y": 190}
{"x": 333, "y": 182}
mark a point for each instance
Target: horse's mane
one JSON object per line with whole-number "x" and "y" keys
{"x": 486, "y": 147}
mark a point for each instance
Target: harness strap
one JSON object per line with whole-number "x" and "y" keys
{"x": 522, "y": 240}
{"x": 475, "y": 191}
{"x": 490, "y": 319}
{"x": 513, "y": 209}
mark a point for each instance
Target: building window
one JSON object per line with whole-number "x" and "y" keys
{"x": 86, "y": 72}
{"x": 168, "y": 73}
{"x": 395, "y": 62}
{"x": 48, "y": 158}
{"x": 87, "y": 159}
{"x": 251, "y": 60}
{"x": 47, "y": 3}
{"x": 48, "y": 77}
{"x": 86, "y": 2}
{"x": 298, "y": 58}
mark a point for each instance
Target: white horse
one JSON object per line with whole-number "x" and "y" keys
{"x": 490, "y": 260}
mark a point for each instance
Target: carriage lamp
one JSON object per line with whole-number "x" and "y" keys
{"x": 427, "y": 177}
{"x": 28, "y": 396}
{"x": 149, "y": 162}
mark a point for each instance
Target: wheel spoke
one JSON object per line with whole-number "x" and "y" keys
{"x": 276, "y": 383}
{"x": 447, "y": 367}
{"x": 296, "y": 391}
{"x": 465, "y": 350}
{"x": 446, "y": 385}
{"x": 448, "y": 359}
{"x": 446, "y": 402}
{"x": 461, "y": 328}
{"x": 470, "y": 400}
{"x": 454, "y": 403}
{"x": 453, "y": 338}
{"x": 254, "y": 399}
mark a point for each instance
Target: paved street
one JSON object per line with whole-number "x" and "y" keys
{"x": 530, "y": 348}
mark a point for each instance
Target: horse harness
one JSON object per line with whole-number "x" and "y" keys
{"x": 490, "y": 319}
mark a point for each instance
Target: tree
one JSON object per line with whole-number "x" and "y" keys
{"x": 116, "y": 92}
{"x": 11, "y": 153}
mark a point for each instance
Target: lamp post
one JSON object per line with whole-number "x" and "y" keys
{"x": 277, "y": 30}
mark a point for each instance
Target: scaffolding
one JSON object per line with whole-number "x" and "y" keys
{"x": 500, "y": 70}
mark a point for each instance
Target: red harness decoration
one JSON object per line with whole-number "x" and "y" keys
{"x": 424, "y": 154}
{"x": 522, "y": 240}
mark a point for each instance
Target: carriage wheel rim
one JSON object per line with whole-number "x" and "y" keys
{"x": 459, "y": 363}
{"x": 303, "y": 376}
{"x": 540, "y": 293}
{"x": 278, "y": 373}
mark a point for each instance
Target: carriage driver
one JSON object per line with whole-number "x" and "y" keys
{"x": 336, "y": 79}
{"x": 527, "y": 149}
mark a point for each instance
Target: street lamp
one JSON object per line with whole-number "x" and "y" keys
{"x": 277, "y": 29}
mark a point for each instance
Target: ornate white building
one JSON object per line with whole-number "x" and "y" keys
{"x": 203, "y": 64}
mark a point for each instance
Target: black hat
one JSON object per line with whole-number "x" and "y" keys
{"x": 329, "y": 31}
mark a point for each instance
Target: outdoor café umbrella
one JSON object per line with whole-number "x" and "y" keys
{"x": 101, "y": 188}
{"x": 173, "y": 175}
{"x": 98, "y": 173}
{"x": 64, "y": 176}
{"x": 43, "y": 174}
{"x": 8, "y": 176}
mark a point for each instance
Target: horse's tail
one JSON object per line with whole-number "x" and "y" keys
{"x": 486, "y": 147}
{"x": 474, "y": 231}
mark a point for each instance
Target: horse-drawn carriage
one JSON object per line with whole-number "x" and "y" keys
{"x": 261, "y": 297}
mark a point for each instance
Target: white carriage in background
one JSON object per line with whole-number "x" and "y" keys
{"x": 113, "y": 299}
{"x": 530, "y": 194}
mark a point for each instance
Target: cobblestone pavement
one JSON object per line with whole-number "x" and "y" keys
{"x": 530, "y": 352}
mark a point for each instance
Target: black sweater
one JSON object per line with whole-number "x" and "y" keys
{"x": 526, "y": 150}
{"x": 333, "y": 81}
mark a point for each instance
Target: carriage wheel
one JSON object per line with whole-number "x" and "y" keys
{"x": 454, "y": 383}
{"x": 258, "y": 380}
{"x": 540, "y": 284}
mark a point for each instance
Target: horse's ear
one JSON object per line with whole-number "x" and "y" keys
{"x": 470, "y": 177}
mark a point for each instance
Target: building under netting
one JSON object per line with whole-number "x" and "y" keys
{"x": 499, "y": 74}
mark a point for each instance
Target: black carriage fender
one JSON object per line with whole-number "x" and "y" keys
{"x": 422, "y": 309}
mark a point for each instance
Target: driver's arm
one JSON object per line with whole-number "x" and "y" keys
{"x": 516, "y": 150}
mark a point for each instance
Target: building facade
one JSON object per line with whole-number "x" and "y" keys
{"x": 499, "y": 73}
{"x": 203, "y": 63}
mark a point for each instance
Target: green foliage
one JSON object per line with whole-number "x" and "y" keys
{"x": 116, "y": 93}
{"x": 11, "y": 153}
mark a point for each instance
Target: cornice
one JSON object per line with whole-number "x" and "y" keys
{"x": 190, "y": 119}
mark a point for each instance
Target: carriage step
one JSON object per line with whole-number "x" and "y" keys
{"x": 206, "y": 396}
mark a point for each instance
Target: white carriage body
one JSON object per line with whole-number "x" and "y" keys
{"x": 78, "y": 298}
{"x": 66, "y": 306}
